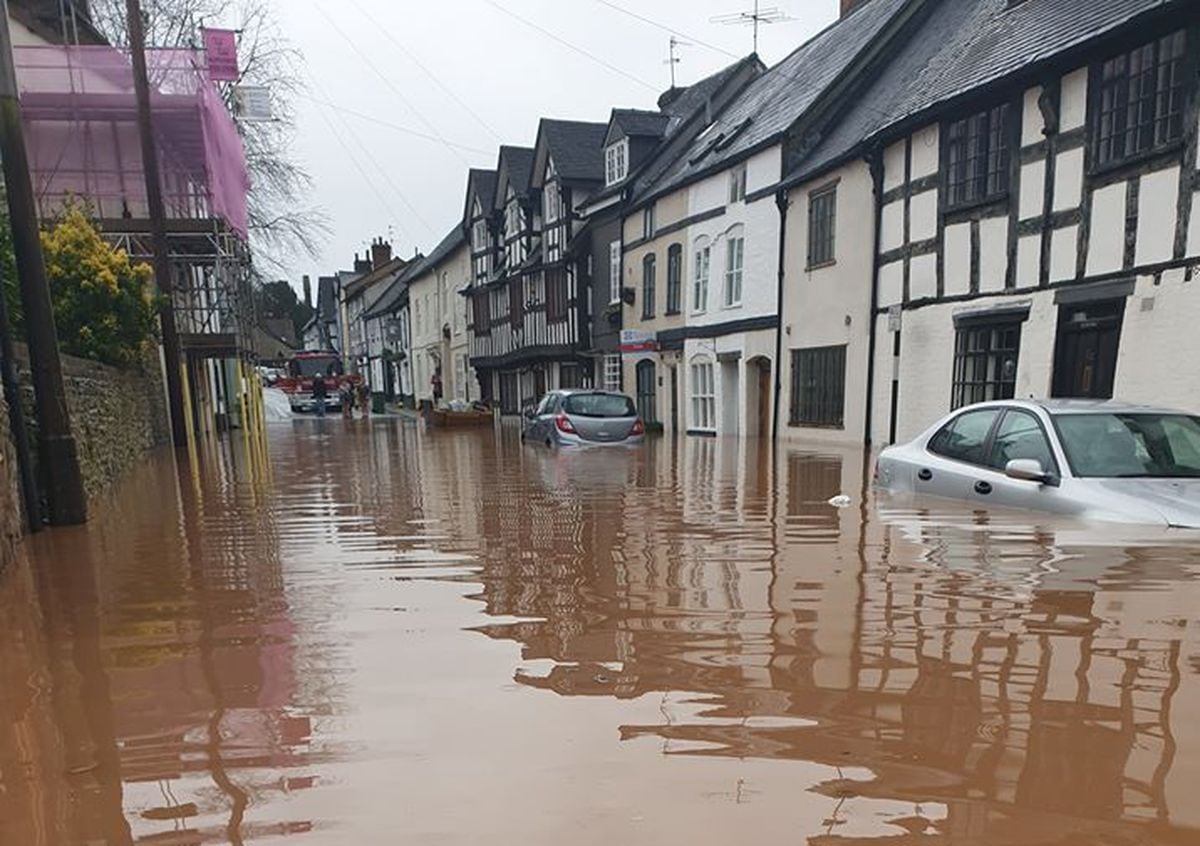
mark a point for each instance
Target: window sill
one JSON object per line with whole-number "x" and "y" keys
{"x": 731, "y": 306}
{"x": 648, "y": 317}
{"x": 1117, "y": 165}
{"x": 831, "y": 427}
{"x": 976, "y": 203}
{"x": 820, "y": 266}
{"x": 702, "y": 433}
{"x": 672, "y": 312}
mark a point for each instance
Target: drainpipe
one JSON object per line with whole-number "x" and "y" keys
{"x": 781, "y": 202}
{"x": 875, "y": 163}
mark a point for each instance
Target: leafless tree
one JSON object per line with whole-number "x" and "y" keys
{"x": 282, "y": 221}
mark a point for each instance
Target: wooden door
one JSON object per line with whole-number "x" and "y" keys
{"x": 764, "y": 399}
{"x": 1085, "y": 355}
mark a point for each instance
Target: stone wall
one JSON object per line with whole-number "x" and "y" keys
{"x": 11, "y": 516}
{"x": 117, "y": 416}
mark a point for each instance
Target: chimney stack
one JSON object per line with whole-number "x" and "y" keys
{"x": 362, "y": 265}
{"x": 381, "y": 253}
{"x": 307, "y": 291}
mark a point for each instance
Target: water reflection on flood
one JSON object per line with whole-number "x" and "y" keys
{"x": 386, "y": 634}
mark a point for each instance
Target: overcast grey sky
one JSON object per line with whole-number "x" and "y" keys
{"x": 376, "y": 61}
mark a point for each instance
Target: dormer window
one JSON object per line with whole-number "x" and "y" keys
{"x": 479, "y": 236}
{"x": 616, "y": 162}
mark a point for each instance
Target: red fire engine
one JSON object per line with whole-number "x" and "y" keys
{"x": 302, "y": 369}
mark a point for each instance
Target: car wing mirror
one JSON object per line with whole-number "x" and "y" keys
{"x": 1029, "y": 470}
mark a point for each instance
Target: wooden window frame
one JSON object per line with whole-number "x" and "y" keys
{"x": 649, "y": 285}
{"x": 1144, "y": 136}
{"x": 977, "y": 153}
{"x": 822, "y": 227}
{"x": 674, "y": 279}
{"x": 967, "y": 386}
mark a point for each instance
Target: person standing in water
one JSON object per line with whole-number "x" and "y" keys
{"x": 319, "y": 392}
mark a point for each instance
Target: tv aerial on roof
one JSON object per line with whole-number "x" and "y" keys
{"x": 768, "y": 15}
{"x": 674, "y": 59}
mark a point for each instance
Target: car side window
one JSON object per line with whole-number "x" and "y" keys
{"x": 964, "y": 437}
{"x": 1020, "y": 436}
{"x": 544, "y": 405}
{"x": 553, "y": 404}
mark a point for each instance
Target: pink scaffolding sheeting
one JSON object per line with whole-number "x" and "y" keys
{"x": 80, "y": 118}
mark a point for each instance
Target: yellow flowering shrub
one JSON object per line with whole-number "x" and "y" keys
{"x": 105, "y": 305}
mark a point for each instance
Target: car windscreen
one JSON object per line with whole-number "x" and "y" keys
{"x": 1131, "y": 446}
{"x": 599, "y": 405}
{"x": 306, "y": 368}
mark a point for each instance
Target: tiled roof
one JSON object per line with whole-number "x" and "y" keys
{"x": 577, "y": 148}
{"x": 779, "y": 97}
{"x": 966, "y": 44}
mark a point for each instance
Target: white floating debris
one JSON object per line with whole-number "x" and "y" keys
{"x": 841, "y": 501}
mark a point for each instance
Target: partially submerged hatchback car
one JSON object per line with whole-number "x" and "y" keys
{"x": 583, "y": 416}
{"x": 1101, "y": 460}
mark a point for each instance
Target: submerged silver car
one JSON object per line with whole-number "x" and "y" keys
{"x": 1099, "y": 460}
{"x": 583, "y": 416}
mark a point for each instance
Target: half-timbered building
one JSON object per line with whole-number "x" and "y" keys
{"x": 1027, "y": 173}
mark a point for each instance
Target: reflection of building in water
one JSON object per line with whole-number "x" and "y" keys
{"x": 164, "y": 642}
{"x": 993, "y": 671}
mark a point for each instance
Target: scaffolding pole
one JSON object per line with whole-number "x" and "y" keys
{"x": 158, "y": 224}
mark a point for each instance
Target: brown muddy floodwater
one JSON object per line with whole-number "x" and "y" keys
{"x": 387, "y": 635}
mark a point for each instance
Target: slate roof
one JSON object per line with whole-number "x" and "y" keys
{"x": 692, "y": 98}
{"x": 517, "y": 165}
{"x": 361, "y": 283}
{"x": 964, "y": 45}
{"x": 392, "y": 295}
{"x": 639, "y": 123}
{"x": 577, "y": 148}
{"x": 779, "y": 97}
{"x": 713, "y": 92}
{"x": 483, "y": 182}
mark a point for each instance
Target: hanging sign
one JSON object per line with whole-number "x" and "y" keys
{"x": 252, "y": 102}
{"x": 220, "y": 48}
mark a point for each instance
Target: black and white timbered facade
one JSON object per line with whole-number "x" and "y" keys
{"x": 1041, "y": 237}
{"x": 1032, "y": 171}
{"x": 528, "y": 306}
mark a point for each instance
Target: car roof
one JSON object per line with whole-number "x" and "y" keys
{"x": 1058, "y": 407}
{"x": 1086, "y": 406}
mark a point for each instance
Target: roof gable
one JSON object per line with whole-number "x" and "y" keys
{"x": 576, "y": 148}
{"x": 514, "y": 170}
{"x": 481, "y": 188}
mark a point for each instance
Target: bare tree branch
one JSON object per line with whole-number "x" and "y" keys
{"x": 283, "y": 222}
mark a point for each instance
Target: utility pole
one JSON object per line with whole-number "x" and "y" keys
{"x": 158, "y": 223}
{"x": 57, "y": 453}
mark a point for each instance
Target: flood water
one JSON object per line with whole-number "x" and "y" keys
{"x": 379, "y": 634}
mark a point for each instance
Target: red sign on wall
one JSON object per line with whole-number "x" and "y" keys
{"x": 220, "y": 48}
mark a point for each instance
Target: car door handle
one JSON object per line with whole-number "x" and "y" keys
{"x": 925, "y": 474}
{"x": 983, "y": 488}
